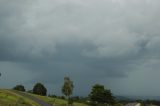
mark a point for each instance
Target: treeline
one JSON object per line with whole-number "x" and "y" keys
{"x": 98, "y": 96}
{"x": 38, "y": 89}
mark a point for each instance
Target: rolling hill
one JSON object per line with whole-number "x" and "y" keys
{"x": 9, "y": 98}
{"x": 14, "y": 98}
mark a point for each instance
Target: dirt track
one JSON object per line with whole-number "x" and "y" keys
{"x": 42, "y": 103}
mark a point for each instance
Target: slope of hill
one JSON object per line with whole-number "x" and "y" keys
{"x": 55, "y": 101}
{"x": 13, "y": 98}
{"x": 8, "y": 98}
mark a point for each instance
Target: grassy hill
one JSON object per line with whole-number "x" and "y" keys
{"x": 56, "y": 102}
{"x": 8, "y": 98}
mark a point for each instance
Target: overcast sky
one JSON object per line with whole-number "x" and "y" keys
{"x": 112, "y": 42}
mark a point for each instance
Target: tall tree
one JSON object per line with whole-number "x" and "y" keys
{"x": 19, "y": 88}
{"x": 39, "y": 89}
{"x": 67, "y": 88}
{"x": 101, "y": 95}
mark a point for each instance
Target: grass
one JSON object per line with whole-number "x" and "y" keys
{"x": 8, "y": 98}
{"x": 55, "y": 101}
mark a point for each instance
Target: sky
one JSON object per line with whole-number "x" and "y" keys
{"x": 115, "y": 43}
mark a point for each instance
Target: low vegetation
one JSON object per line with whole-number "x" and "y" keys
{"x": 19, "y": 88}
{"x": 39, "y": 89}
{"x": 8, "y": 98}
{"x": 56, "y": 101}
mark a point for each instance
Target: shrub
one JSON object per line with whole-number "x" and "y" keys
{"x": 19, "y": 88}
{"x": 39, "y": 89}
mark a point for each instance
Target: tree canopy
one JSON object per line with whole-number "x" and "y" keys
{"x": 99, "y": 94}
{"x": 19, "y": 88}
{"x": 67, "y": 88}
{"x": 39, "y": 89}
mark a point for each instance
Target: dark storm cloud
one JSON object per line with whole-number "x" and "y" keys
{"x": 91, "y": 41}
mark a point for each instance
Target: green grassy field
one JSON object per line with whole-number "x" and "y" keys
{"x": 56, "y": 102}
{"x": 8, "y": 98}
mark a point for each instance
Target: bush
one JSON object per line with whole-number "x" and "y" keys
{"x": 30, "y": 91}
{"x": 52, "y": 96}
{"x": 39, "y": 89}
{"x": 70, "y": 101}
{"x": 19, "y": 88}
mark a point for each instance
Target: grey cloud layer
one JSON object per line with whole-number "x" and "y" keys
{"x": 92, "y": 39}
